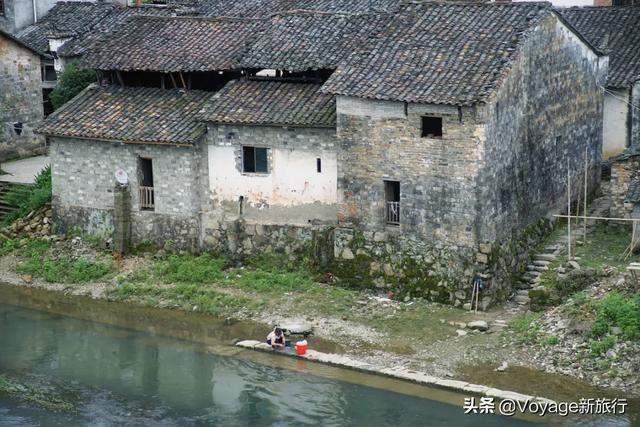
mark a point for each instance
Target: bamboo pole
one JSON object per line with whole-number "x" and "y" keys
{"x": 568, "y": 211}
{"x": 595, "y": 217}
{"x": 586, "y": 162}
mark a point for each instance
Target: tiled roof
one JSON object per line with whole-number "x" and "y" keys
{"x": 173, "y": 44}
{"x": 264, "y": 8}
{"x": 271, "y": 103}
{"x": 79, "y": 45}
{"x": 130, "y": 115}
{"x": 616, "y": 31}
{"x": 438, "y": 53}
{"x": 65, "y": 19}
{"x": 306, "y": 40}
{"x": 19, "y": 42}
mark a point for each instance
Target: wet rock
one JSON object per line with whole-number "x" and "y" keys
{"x": 478, "y": 325}
{"x": 461, "y": 333}
{"x": 503, "y": 367}
{"x": 27, "y": 278}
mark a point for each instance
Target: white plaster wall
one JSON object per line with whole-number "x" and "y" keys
{"x": 615, "y": 122}
{"x": 292, "y": 179}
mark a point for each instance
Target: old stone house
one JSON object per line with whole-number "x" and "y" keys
{"x": 21, "y": 108}
{"x": 417, "y": 148}
{"x": 615, "y": 31}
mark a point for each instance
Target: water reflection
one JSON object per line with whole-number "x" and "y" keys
{"x": 133, "y": 378}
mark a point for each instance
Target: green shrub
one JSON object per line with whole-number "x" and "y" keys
{"x": 70, "y": 83}
{"x": 191, "y": 269}
{"x": 576, "y": 280}
{"x": 618, "y": 310}
{"x": 599, "y": 347}
{"x": 551, "y": 340}
{"x": 65, "y": 270}
{"x": 26, "y": 199}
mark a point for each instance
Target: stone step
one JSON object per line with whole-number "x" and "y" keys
{"x": 545, "y": 257}
{"x": 541, "y": 263}
{"x": 523, "y": 292}
{"x": 530, "y": 275}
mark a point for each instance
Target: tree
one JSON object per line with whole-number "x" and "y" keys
{"x": 71, "y": 82}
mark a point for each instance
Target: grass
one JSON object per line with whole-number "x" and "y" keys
{"x": 620, "y": 311}
{"x": 187, "y": 268}
{"x": 38, "y": 262}
{"x": 526, "y": 328}
{"x": 29, "y": 198}
{"x": 33, "y": 394}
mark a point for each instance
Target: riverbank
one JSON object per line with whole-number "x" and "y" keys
{"x": 430, "y": 338}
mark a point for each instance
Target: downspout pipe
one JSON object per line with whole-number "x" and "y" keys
{"x": 35, "y": 11}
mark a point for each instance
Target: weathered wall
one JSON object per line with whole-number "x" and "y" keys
{"x": 381, "y": 141}
{"x": 616, "y": 122}
{"x": 83, "y": 181}
{"x": 623, "y": 172}
{"x": 292, "y": 192}
{"x": 475, "y": 200}
{"x": 20, "y": 99}
{"x": 635, "y": 115}
{"x": 547, "y": 111}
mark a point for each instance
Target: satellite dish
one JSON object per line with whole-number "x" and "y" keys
{"x": 122, "y": 177}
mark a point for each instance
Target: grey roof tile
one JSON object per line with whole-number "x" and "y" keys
{"x": 616, "y": 31}
{"x": 258, "y": 102}
{"x": 130, "y": 115}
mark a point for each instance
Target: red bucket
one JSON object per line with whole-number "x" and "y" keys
{"x": 301, "y": 348}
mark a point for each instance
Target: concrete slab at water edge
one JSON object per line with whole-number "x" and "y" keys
{"x": 23, "y": 171}
{"x": 400, "y": 373}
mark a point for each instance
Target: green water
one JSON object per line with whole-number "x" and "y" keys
{"x": 117, "y": 376}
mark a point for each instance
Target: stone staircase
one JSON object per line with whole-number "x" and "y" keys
{"x": 542, "y": 260}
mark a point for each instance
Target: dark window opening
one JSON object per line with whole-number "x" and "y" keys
{"x": 17, "y": 128}
{"x": 392, "y": 202}
{"x": 145, "y": 176}
{"x": 48, "y": 72}
{"x": 319, "y": 165}
{"x": 46, "y": 101}
{"x": 1, "y": 7}
{"x": 431, "y": 127}
{"x": 254, "y": 160}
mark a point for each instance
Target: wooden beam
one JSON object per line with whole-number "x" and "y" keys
{"x": 173, "y": 80}
{"x": 184, "y": 84}
{"x": 120, "y": 80}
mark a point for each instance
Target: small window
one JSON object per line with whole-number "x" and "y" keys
{"x": 17, "y": 128}
{"x": 319, "y": 165}
{"x": 392, "y": 202}
{"x": 431, "y": 127}
{"x": 1, "y": 7}
{"x": 145, "y": 177}
{"x": 254, "y": 160}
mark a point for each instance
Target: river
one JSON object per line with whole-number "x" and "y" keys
{"x": 122, "y": 376}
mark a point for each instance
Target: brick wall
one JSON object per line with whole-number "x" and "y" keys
{"x": 20, "y": 100}
{"x": 83, "y": 181}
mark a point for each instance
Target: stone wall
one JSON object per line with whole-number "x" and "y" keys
{"x": 623, "y": 172}
{"x": 547, "y": 111}
{"x": 83, "y": 181}
{"x": 635, "y": 115}
{"x": 20, "y": 100}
